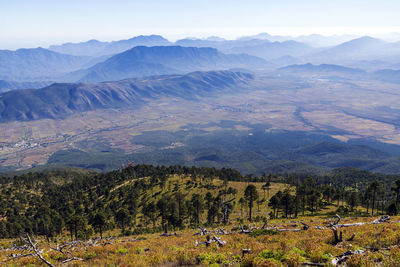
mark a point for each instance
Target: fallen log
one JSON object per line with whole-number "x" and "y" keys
{"x": 305, "y": 228}
{"x": 343, "y": 257}
{"x": 383, "y": 219}
{"x": 203, "y": 231}
{"x": 221, "y": 231}
{"x": 289, "y": 230}
{"x": 220, "y": 242}
{"x": 72, "y": 259}
{"x": 169, "y": 234}
{"x": 210, "y": 240}
{"x": 312, "y": 264}
{"x": 244, "y": 231}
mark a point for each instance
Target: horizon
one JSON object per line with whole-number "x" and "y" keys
{"x": 386, "y": 36}
{"x": 42, "y": 23}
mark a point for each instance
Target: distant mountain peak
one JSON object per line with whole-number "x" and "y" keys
{"x": 147, "y": 37}
{"x": 97, "y": 48}
{"x": 364, "y": 40}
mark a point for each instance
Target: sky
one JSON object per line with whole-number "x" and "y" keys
{"x": 33, "y": 23}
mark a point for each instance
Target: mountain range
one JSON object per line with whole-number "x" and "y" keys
{"x": 61, "y": 99}
{"x": 143, "y": 61}
{"x": 95, "y": 61}
{"x": 257, "y": 47}
{"x": 97, "y": 48}
{"x": 38, "y": 64}
{"x": 361, "y": 49}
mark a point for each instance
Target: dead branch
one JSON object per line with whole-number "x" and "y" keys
{"x": 334, "y": 223}
{"x": 203, "y": 231}
{"x": 245, "y": 251}
{"x": 14, "y": 256}
{"x": 383, "y": 219}
{"x": 312, "y": 264}
{"x": 350, "y": 224}
{"x": 352, "y": 237}
{"x": 72, "y": 259}
{"x": 343, "y": 257}
{"x": 210, "y": 240}
{"x": 305, "y": 226}
{"x": 220, "y": 242}
{"x": 29, "y": 241}
{"x": 244, "y": 231}
{"x": 221, "y": 231}
{"x": 289, "y": 230}
{"x": 265, "y": 225}
{"x": 338, "y": 237}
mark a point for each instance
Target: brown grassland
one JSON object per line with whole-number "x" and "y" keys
{"x": 381, "y": 243}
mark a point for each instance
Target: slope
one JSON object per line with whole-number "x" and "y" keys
{"x": 144, "y": 61}
{"x": 62, "y": 99}
{"x": 37, "y": 64}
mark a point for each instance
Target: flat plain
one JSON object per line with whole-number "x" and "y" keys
{"x": 341, "y": 108}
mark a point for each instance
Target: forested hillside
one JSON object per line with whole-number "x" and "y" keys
{"x": 145, "y": 198}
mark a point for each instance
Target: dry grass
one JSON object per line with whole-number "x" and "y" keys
{"x": 283, "y": 249}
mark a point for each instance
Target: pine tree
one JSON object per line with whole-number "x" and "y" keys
{"x": 197, "y": 204}
{"x": 250, "y": 195}
{"x": 99, "y": 222}
{"x": 123, "y": 217}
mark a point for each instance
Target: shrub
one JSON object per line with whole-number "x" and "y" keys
{"x": 269, "y": 254}
{"x": 90, "y": 255}
{"x": 122, "y": 251}
{"x": 210, "y": 258}
{"x": 259, "y": 232}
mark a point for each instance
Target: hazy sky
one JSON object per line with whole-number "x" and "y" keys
{"x": 31, "y": 23}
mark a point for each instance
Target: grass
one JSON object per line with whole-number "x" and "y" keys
{"x": 282, "y": 249}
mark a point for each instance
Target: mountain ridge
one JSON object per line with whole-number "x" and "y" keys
{"x": 35, "y": 64}
{"x": 159, "y": 60}
{"x": 98, "y": 48}
{"x": 62, "y": 99}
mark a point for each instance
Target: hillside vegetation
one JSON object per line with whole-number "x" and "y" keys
{"x": 279, "y": 219}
